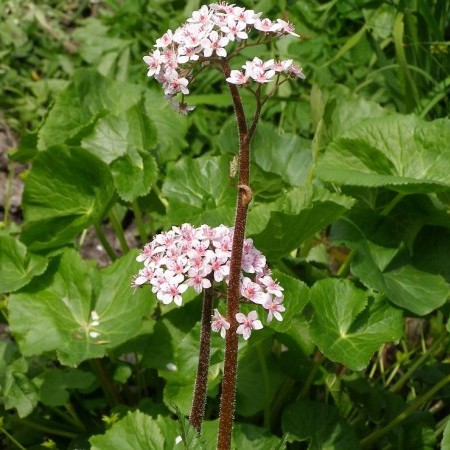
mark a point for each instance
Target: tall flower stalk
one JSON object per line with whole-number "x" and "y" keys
{"x": 204, "y": 257}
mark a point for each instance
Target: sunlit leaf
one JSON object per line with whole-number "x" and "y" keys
{"x": 67, "y": 190}
{"x": 138, "y": 431}
{"x": 64, "y": 298}
{"x": 349, "y": 326}
{"x": 400, "y": 152}
{"x": 279, "y": 227}
{"x": 17, "y": 266}
{"x": 199, "y": 191}
{"x": 88, "y": 96}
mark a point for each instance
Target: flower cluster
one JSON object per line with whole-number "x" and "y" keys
{"x": 204, "y": 38}
{"x": 188, "y": 257}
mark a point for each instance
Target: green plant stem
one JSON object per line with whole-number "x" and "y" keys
{"x": 139, "y": 222}
{"x": 111, "y": 394}
{"x": 368, "y": 441}
{"x": 117, "y": 227}
{"x": 311, "y": 376}
{"x": 12, "y": 439}
{"x": 46, "y": 429}
{"x": 266, "y": 381}
{"x": 392, "y": 204}
{"x": 227, "y": 399}
{"x": 201, "y": 380}
{"x": 106, "y": 245}
{"x": 160, "y": 196}
{"x": 68, "y": 418}
{"x": 345, "y": 267}
{"x": 404, "y": 378}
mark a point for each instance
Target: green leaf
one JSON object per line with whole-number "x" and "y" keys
{"x": 279, "y": 227}
{"x": 320, "y": 424}
{"x": 138, "y": 431}
{"x": 199, "y": 191}
{"x": 376, "y": 266}
{"x": 253, "y": 437}
{"x": 55, "y": 384}
{"x": 296, "y": 296}
{"x": 134, "y": 176}
{"x": 63, "y": 299}
{"x": 171, "y": 126}
{"x": 17, "y": 390}
{"x": 88, "y": 96}
{"x": 284, "y": 154}
{"x": 99, "y": 49}
{"x": 259, "y": 375}
{"x": 67, "y": 190}
{"x": 181, "y": 370}
{"x": 401, "y": 152}
{"x": 349, "y": 326}
{"x": 17, "y": 266}
{"x": 124, "y": 141}
{"x": 445, "y": 443}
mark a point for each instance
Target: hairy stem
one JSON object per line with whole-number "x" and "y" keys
{"x": 227, "y": 400}
{"x": 201, "y": 381}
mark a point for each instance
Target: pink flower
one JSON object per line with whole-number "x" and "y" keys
{"x": 219, "y": 323}
{"x": 144, "y": 276}
{"x": 265, "y": 25}
{"x": 187, "y": 257}
{"x": 171, "y": 290}
{"x": 234, "y": 30}
{"x": 198, "y": 280}
{"x": 153, "y": 61}
{"x": 237, "y": 77}
{"x": 214, "y": 43}
{"x": 271, "y": 286}
{"x": 252, "y": 291}
{"x": 248, "y": 323}
{"x": 274, "y": 307}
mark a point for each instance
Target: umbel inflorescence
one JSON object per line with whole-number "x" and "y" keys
{"x": 214, "y": 33}
{"x": 188, "y": 257}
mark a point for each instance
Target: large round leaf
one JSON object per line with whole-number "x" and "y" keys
{"x": 279, "y": 227}
{"x": 55, "y": 311}
{"x": 401, "y": 152}
{"x": 348, "y": 326}
{"x": 138, "y": 431}
{"x": 199, "y": 191}
{"x": 87, "y": 96}
{"x": 67, "y": 190}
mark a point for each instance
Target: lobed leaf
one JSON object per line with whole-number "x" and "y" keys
{"x": 63, "y": 299}
{"x": 17, "y": 265}
{"x": 349, "y": 326}
{"x": 67, "y": 190}
{"x": 401, "y": 152}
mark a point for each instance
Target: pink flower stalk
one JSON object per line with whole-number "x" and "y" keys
{"x": 188, "y": 257}
{"x": 204, "y": 39}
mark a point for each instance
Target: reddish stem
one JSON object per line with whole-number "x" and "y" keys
{"x": 201, "y": 381}
{"x": 227, "y": 400}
